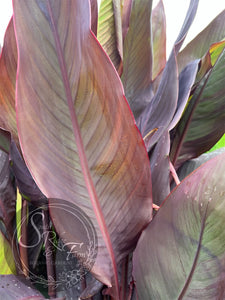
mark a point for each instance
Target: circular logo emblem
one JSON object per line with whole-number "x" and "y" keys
{"x": 62, "y": 235}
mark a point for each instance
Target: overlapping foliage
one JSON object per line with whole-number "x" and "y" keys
{"x": 107, "y": 138}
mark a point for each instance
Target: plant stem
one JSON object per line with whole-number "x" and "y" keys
{"x": 49, "y": 255}
{"x": 174, "y": 174}
{"x": 124, "y": 279}
{"x": 131, "y": 287}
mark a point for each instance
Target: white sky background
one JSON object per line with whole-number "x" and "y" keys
{"x": 175, "y": 12}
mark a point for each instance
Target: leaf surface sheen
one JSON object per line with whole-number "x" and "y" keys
{"x": 137, "y": 67}
{"x": 180, "y": 255}
{"x": 79, "y": 140}
{"x": 8, "y": 66}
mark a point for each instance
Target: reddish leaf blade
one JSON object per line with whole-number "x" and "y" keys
{"x": 79, "y": 127}
{"x": 94, "y": 16}
{"x": 8, "y": 66}
{"x": 126, "y": 11}
{"x": 181, "y": 254}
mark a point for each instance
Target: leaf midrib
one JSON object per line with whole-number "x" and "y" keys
{"x": 80, "y": 147}
{"x": 194, "y": 264}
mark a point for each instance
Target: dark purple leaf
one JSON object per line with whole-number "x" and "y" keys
{"x": 94, "y": 16}
{"x": 160, "y": 111}
{"x": 181, "y": 254}
{"x": 213, "y": 33}
{"x": 26, "y": 184}
{"x": 203, "y": 122}
{"x": 17, "y": 288}
{"x": 5, "y": 140}
{"x": 186, "y": 81}
{"x": 27, "y": 187}
{"x": 160, "y": 169}
{"x": 91, "y": 290}
{"x": 7, "y": 192}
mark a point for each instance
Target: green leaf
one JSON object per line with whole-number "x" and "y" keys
{"x": 80, "y": 141}
{"x": 219, "y": 144}
{"x": 110, "y": 30}
{"x": 181, "y": 254}
{"x": 7, "y": 260}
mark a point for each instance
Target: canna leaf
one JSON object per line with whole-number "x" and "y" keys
{"x": 213, "y": 33}
{"x": 7, "y": 193}
{"x": 160, "y": 169}
{"x": 186, "y": 81}
{"x": 160, "y": 111}
{"x": 27, "y": 187}
{"x": 181, "y": 254}
{"x": 110, "y": 31}
{"x": 94, "y": 16}
{"x": 80, "y": 141}
{"x": 203, "y": 122}
{"x": 8, "y": 66}
{"x": 18, "y": 287}
{"x": 159, "y": 39}
{"x": 25, "y": 182}
{"x": 137, "y": 67}
{"x": 126, "y": 11}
